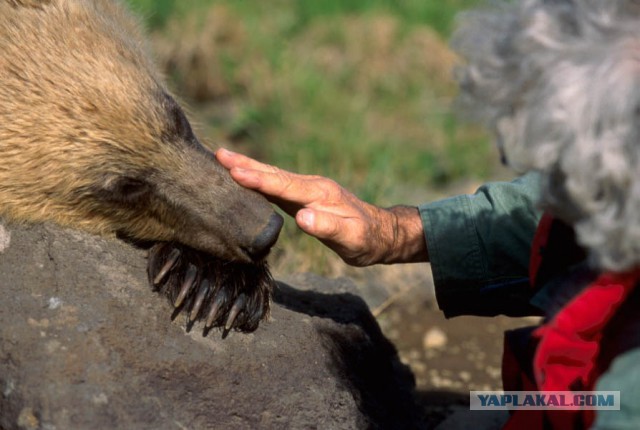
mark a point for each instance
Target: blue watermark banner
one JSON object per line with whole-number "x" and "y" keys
{"x": 545, "y": 400}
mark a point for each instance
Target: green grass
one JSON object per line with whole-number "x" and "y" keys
{"x": 155, "y": 12}
{"x": 436, "y": 14}
{"x": 356, "y": 90}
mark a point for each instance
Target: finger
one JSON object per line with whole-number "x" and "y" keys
{"x": 230, "y": 160}
{"x": 247, "y": 178}
{"x": 288, "y": 187}
{"x": 322, "y": 225}
{"x": 265, "y": 178}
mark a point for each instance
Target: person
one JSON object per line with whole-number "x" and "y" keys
{"x": 476, "y": 243}
{"x": 559, "y": 84}
{"x": 479, "y": 248}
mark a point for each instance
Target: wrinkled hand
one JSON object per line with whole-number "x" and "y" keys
{"x": 360, "y": 233}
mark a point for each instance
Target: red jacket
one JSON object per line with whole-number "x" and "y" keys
{"x": 572, "y": 348}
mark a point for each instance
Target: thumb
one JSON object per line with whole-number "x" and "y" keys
{"x": 322, "y": 225}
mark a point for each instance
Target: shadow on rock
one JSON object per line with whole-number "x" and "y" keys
{"x": 364, "y": 361}
{"x": 342, "y": 307}
{"x": 438, "y": 405}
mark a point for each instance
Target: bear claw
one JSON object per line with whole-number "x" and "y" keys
{"x": 168, "y": 265}
{"x": 232, "y": 296}
{"x": 215, "y": 308}
{"x": 197, "y": 304}
{"x": 187, "y": 283}
{"x": 237, "y": 307}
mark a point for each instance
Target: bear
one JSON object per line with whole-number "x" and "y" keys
{"x": 91, "y": 138}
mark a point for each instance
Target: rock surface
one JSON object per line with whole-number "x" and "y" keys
{"x": 85, "y": 344}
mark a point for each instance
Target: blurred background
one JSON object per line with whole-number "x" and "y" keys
{"x": 356, "y": 90}
{"x": 360, "y": 91}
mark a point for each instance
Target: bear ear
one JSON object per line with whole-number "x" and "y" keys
{"x": 124, "y": 190}
{"x": 38, "y": 4}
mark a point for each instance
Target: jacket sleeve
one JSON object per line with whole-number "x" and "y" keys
{"x": 479, "y": 248}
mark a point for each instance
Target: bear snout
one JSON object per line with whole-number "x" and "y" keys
{"x": 265, "y": 240}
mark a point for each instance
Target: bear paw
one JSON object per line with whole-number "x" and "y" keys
{"x": 220, "y": 293}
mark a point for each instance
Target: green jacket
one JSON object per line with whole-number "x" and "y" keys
{"x": 479, "y": 247}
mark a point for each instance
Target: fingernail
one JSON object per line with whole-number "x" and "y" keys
{"x": 306, "y": 218}
{"x": 226, "y": 152}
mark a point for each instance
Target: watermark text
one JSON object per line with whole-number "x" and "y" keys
{"x": 567, "y": 400}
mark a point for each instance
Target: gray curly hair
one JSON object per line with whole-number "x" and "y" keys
{"x": 559, "y": 83}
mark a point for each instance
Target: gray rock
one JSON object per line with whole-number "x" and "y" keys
{"x": 86, "y": 344}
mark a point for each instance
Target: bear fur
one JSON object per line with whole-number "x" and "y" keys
{"x": 91, "y": 138}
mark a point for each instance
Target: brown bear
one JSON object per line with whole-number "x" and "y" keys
{"x": 91, "y": 138}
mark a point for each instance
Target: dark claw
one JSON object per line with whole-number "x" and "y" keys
{"x": 220, "y": 293}
{"x": 238, "y": 305}
{"x": 188, "y": 282}
{"x": 156, "y": 257}
{"x": 218, "y": 301}
{"x": 202, "y": 293}
{"x": 171, "y": 261}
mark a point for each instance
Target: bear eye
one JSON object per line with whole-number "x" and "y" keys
{"x": 178, "y": 125}
{"x": 130, "y": 190}
{"x": 124, "y": 190}
{"x": 181, "y": 125}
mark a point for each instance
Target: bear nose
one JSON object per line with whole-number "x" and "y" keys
{"x": 266, "y": 239}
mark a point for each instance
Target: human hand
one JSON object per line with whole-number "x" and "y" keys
{"x": 360, "y": 233}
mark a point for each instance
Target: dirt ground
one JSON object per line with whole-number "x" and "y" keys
{"x": 449, "y": 357}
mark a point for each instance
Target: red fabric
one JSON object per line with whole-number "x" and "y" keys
{"x": 568, "y": 344}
